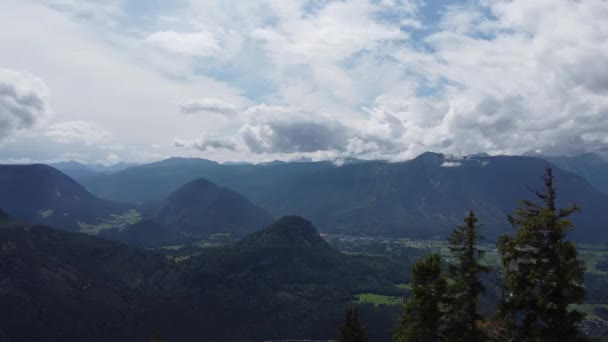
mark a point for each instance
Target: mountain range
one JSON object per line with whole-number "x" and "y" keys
{"x": 423, "y": 197}
{"x": 186, "y": 198}
{"x": 281, "y": 280}
{"x": 593, "y": 167}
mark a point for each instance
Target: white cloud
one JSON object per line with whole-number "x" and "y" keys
{"x": 208, "y": 142}
{"x": 370, "y": 78}
{"x": 106, "y": 12}
{"x": 23, "y": 101}
{"x": 78, "y": 132}
{"x": 451, "y": 164}
{"x": 337, "y": 31}
{"x": 195, "y": 44}
{"x": 276, "y": 129}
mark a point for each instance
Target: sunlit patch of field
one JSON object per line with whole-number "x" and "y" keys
{"x": 208, "y": 244}
{"x": 404, "y": 286}
{"x": 178, "y": 259}
{"x": 377, "y": 299}
{"x": 45, "y": 213}
{"x": 119, "y": 221}
{"x": 173, "y": 247}
{"x": 592, "y": 255}
{"x": 589, "y": 310}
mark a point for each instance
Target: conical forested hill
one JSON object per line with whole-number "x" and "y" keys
{"x": 202, "y": 208}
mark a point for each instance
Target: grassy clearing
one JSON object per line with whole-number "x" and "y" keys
{"x": 113, "y": 221}
{"x": 178, "y": 259}
{"x": 404, "y": 286}
{"x": 377, "y": 299}
{"x": 208, "y": 244}
{"x": 591, "y": 258}
{"x": 589, "y": 309}
{"x": 490, "y": 258}
{"x": 45, "y": 213}
{"x": 173, "y": 248}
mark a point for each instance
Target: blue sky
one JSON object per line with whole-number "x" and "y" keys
{"x": 131, "y": 80}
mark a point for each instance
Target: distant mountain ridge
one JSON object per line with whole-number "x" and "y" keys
{"x": 92, "y": 167}
{"x": 79, "y": 170}
{"x": 591, "y": 166}
{"x": 423, "y": 197}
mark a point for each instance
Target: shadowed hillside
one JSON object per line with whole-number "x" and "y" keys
{"x": 202, "y": 208}
{"x": 284, "y": 281}
{"x": 423, "y": 197}
{"x": 42, "y": 194}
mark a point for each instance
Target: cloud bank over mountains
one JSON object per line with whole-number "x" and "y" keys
{"x": 265, "y": 79}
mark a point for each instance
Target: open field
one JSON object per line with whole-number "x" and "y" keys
{"x": 595, "y": 257}
{"x": 377, "y": 299}
{"x": 113, "y": 221}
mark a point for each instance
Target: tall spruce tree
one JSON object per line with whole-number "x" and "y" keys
{"x": 422, "y": 314}
{"x": 543, "y": 274}
{"x": 351, "y": 329}
{"x": 465, "y": 286}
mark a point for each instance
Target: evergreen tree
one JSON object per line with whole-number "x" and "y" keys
{"x": 351, "y": 329}
{"x": 157, "y": 338}
{"x": 422, "y": 312}
{"x": 543, "y": 273}
{"x": 465, "y": 287}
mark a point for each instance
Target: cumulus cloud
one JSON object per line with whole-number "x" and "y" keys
{"x": 369, "y": 78}
{"x": 336, "y": 31}
{"x": 208, "y": 105}
{"x": 68, "y": 132}
{"x": 275, "y": 129}
{"x": 23, "y": 101}
{"x": 208, "y": 142}
{"x": 528, "y": 76}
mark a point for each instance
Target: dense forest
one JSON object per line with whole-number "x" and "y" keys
{"x": 541, "y": 277}
{"x": 164, "y": 277}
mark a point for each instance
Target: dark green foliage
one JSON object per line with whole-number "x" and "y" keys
{"x": 157, "y": 338}
{"x": 543, "y": 273}
{"x": 465, "y": 287}
{"x": 4, "y": 216}
{"x": 351, "y": 329}
{"x": 282, "y": 282}
{"x": 147, "y": 234}
{"x": 62, "y": 286}
{"x": 421, "y": 320}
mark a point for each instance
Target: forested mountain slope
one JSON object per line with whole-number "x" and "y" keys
{"x": 41, "y": 194}
{"x": 423, "y": 197}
